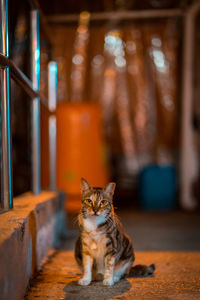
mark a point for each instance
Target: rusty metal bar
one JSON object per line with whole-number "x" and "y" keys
{"x": 119, "y": 15}
{"x": 35, "y": 105}
{"x": 52, "y": 90}
{"x": 6, "y": 196}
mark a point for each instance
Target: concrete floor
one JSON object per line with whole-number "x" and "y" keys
{"x": 170, "y": 240}
{"x": 177, "y": 277}
{"x": 154, "y": 231}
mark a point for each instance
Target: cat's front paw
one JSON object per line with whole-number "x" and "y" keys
{"x": 108, "y": 281}
{"x": 84, "y": 281}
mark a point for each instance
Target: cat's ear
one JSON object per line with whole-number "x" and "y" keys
{"x": 84, "y": 185}
{"x": 110, "y": 189}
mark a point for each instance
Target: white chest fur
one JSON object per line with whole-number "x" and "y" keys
{"x": 97, "y": 244}
{"x": 95, "y": 238}
{"x": 91, "y": 223}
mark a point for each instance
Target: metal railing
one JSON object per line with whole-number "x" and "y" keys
{"x": 32, "y": 87}
{"x": 118, "y": 15}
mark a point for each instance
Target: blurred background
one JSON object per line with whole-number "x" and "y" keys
{"x": 123, "y": 100}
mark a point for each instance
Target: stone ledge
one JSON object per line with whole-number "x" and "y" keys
{"x": 27, "y": 233}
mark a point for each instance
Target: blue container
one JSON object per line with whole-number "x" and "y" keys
{"x": 157, "y": 188}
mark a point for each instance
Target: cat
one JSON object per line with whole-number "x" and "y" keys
{"x": 103, "y": 250}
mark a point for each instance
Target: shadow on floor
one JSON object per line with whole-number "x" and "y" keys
{"x": 95, "y": 291}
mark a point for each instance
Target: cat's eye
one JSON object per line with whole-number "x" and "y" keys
{"x": 89, "y": 200}
{"x": 104, "y": 202}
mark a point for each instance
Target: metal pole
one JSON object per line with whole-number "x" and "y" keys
{"x": 188, "y": 168}
{"x": 52, "y": 90}
{"x": 119, "y": 15}
{"x": 7, "y": 201}
{"x": 35, "y": 105}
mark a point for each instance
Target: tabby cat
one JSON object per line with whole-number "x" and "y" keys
{"x": 103, "y": 250}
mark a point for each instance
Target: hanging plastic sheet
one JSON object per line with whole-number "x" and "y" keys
{"x": 116, "y": 98}
{"x": 132, "y": 72}
{"x": 141, "y": 94}
{"x": 79, "y": 58}
{"x": 162, "y": 43}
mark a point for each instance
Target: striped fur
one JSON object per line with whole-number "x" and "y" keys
{"x": 103, "y": 250}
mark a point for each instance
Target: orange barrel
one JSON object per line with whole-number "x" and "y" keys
{"x": 80, "y": 149}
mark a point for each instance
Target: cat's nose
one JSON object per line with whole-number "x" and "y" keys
{"x": 95, "y": 209}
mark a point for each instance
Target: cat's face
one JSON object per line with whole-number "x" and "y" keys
{"x": 96, "y": 201}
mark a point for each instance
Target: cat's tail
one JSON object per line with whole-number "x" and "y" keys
{"x": 141, "y": 271}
